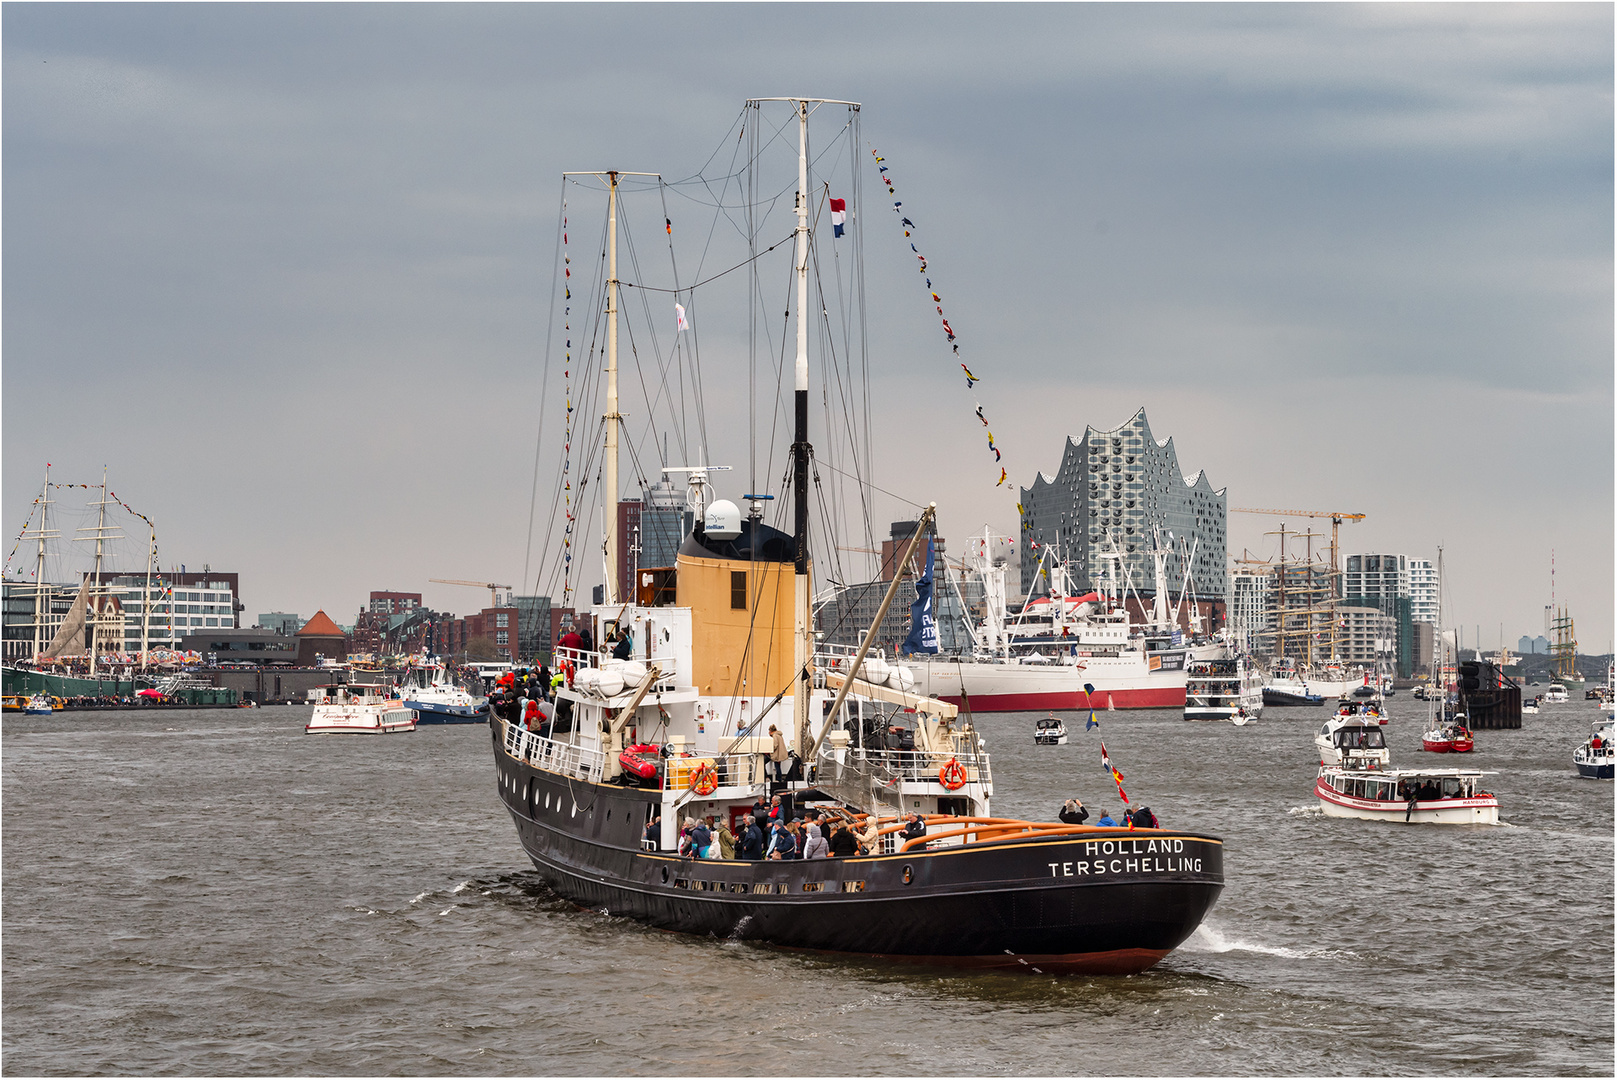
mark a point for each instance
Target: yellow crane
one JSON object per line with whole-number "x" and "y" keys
{"x": 493, "y": 595}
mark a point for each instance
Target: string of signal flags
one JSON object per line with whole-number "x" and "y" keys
{"x": 164, "y": 588}
{"x": 972, "y": 378}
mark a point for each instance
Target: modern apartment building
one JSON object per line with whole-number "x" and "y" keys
{"x": 1423, "y": 599}
{"x": 1252, "y": 617}
{"x": 1382, "y": 583}
{"x": 1367, "y": 633}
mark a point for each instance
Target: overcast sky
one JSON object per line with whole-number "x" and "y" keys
{"x": 286, "y": 270}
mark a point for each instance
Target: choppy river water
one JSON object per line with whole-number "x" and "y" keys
{"x": 215, "y": 892}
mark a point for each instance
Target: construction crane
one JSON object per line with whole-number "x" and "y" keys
{"x": 493, "y": 594}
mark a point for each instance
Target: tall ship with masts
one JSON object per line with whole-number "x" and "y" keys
{"x": 675, "y": 719}
{"x": 94, "y": 636}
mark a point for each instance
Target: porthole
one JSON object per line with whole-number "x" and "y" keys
{"x": 909, "y": 874}
{"x": 665, "y": 875}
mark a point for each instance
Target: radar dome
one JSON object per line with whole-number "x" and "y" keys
{"x": 722, "y": 520}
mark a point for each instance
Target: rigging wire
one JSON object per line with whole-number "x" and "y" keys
{"x": 841, "y": 340}
{"x": 544, "y": 393}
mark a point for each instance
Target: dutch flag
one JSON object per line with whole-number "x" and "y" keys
{"x": 839, "y": 215}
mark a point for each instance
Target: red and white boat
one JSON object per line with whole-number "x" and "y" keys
{"x": 1451, "y": 737}
{"x": 1128, "y": 680}
{"x": 358, "y": 709}
{"x": 1409, "y": 796}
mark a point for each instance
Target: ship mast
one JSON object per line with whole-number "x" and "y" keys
{"x": 609, "y": 505}
{"x": 146, "y": 601}
{"x": 802, "y": 625}
{"x": 45, "y": 532}
{"x": 802, "y": 644}
{"x": 101, "y": 536}
{"x": 611, "y": 542}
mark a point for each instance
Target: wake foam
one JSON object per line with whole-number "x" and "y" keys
{"x": 1209, "y": 939}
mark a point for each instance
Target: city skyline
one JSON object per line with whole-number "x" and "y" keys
{"x": 294, "y": 261}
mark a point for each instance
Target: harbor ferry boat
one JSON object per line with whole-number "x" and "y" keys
{"x": 357, "y": 709}
{"x": 1286, "y": 686}
{"x": 722, "y": 650}
{"x": 436, "y": 700}
{"x": 1226, "y": 689}
{"x": 1594, "y": 758}
{"x": 1412, "y": 796}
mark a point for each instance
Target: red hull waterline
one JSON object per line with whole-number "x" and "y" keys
{"x": 1446, "y": 747}
{"x": 1166, "y": 697}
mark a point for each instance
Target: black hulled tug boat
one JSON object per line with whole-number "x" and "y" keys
{"x": 676, "y": 726}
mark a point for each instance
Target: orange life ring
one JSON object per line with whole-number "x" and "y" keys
{"x": 705, "y": 780}
{"x": 953, "y": 775}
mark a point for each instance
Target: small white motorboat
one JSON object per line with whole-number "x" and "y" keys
{"x": 1050, "y": 732}
{"x": 1353, "y": 740}
{"x": 1594, "y": 757}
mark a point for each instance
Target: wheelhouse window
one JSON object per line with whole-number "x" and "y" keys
{"x": 738, "y": 589}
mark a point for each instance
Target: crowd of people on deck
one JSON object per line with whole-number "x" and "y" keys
{"x": 526, "y": 696}
{"x": 772, "y": 832}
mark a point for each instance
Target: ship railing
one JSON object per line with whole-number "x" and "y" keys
{"x": 733, "y": 770}
{"x": 579, "y": 762}
{"x": 829, "y": 656}
{"x": 865, "y": 776}
{"x": 920, "y": 766}
{"x": 578, "y": 660}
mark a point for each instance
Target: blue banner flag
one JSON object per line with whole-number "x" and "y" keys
{"x": 923, "y": 627}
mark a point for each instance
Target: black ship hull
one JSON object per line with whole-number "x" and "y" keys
{"x": 1101, "y": 901}
{"x": 1288, "y": 697}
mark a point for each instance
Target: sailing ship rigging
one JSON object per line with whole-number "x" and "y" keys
{"x": 93, "y": 624}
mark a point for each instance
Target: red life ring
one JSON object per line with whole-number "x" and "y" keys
{"x": 953, "y": 775}
{"x": 705, "y": 781}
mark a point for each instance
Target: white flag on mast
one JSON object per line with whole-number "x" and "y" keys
{"x": 679, "y": 317}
